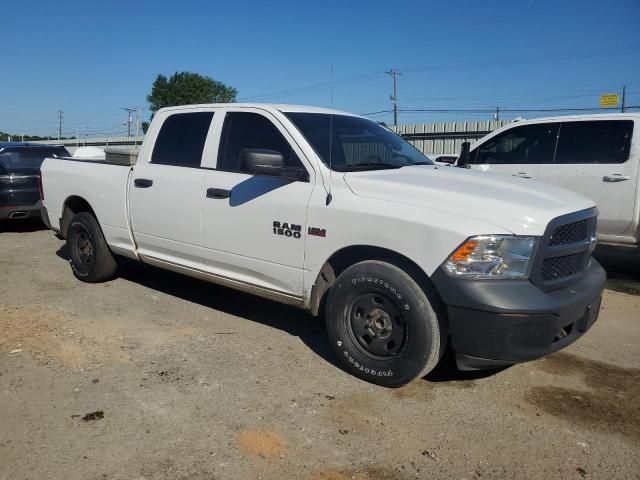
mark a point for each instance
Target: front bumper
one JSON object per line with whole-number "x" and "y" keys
{"x": 495, "y": 323}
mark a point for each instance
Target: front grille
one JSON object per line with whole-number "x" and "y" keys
{"x": 564, "y": 251}
{"x": 558, "y": 268}
{"x": 570, "y": 233}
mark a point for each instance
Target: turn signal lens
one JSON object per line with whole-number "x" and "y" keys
{"x": 463, "y": 253}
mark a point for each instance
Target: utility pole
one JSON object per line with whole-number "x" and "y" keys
{"x": 624, "y": 93}
{"x": 59, "y": 124}
{"x": 394, "y": 98}
{"x": 129, "y": 119}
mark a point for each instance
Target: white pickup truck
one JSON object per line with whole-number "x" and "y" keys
{"x": 333, "y": 213}
{"x": 596, "y": 155}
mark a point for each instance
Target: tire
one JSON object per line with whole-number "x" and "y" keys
{"x": 382, "y": 325}
{"x": 89, "y": 255}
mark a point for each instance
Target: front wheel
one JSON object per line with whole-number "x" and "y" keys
{"x": 89, "y": 255}
{"x": 382, "y": 325}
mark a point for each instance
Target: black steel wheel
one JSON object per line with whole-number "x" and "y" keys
{"x": 377, "y": 324}
{"x": 82, "y": 249}
{"x": 89, "y": 255}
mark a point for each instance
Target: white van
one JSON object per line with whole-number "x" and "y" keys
{"x": 596, "y": 155}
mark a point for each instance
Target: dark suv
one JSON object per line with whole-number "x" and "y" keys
{"x": 20, "y": 175}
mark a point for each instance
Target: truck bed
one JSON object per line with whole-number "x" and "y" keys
{"x": 103, "y": 184}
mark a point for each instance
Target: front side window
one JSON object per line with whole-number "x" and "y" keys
{"x": 347, "y": 143}
{"x": 181, "y": 139}
{"x": 525, "y": 144}
{"x": 245, "y": 130}
{"x": 601, "y": 141}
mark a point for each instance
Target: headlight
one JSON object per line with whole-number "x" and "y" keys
{"x": 492, "y": 256}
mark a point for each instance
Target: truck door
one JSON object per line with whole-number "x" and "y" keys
{"x": 166, "y": 190}
{"x": 518, "y": 151}
{"x": 253, "y": 226}
{"x": 595, "y": 158}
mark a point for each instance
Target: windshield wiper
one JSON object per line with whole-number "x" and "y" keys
{"x": 369, "y": 166}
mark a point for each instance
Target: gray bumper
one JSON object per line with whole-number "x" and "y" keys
{"x": 17, "y": 212}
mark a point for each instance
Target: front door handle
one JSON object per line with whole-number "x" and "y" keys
{"x": 218, "y": 193}
{"x": 521, "y": 175}
{"x": 142, "y": 182}
{"x": 615, "y": 177}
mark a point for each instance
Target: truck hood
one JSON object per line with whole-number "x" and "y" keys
{"x": 521, "y": 206}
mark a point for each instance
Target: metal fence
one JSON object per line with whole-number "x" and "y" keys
{"x": 446, "y": 137}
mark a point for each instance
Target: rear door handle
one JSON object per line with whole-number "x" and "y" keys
{"x": 142, "y": 182}
{"x": 521, "y": 175}
{"x": 615, "y": 177}
{"x": 218, "y": 193}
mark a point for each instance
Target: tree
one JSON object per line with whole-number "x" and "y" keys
{"x": 185, "y": 88}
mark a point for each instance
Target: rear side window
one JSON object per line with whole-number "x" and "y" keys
{"x": 526, "y": 144}
{"x": 601, "y": 141}
{"x": 250, "y": 130}
{"x": 181, "y": 139}
{"x": 28, "y": 158}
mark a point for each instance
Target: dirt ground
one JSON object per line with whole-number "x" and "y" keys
{"x": 158, "y": 376}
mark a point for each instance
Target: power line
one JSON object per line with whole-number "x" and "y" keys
{"x": 500, "y": 110}
{"x": 554, "y": 57}
{"x": 316, "y": 87}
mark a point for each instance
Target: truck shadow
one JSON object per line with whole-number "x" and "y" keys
{"x": 22, "y": 226}
{"x": 623, "y": 270}
{"x": 294, "y": 321}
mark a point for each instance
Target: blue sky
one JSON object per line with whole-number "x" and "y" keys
{"x": 90, "y": 59}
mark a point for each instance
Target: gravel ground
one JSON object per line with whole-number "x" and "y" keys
{"x": 158, "y": 376}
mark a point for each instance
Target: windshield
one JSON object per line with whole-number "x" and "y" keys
{"x": 346, "y": 143}
{"x": 24, "y": 159}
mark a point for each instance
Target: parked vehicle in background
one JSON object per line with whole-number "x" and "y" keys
{"x": 314, "y": 207}
{"x": 595, "y": 155}
{"x": 19, "y": 177}
{"x": 445, "y": 160}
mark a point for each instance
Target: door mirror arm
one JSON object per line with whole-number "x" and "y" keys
{"x": 463, "y": 159}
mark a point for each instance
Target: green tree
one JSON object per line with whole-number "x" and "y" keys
{"x": 185, "y": 88}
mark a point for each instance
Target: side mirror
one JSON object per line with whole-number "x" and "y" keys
{"x": 262, "y": 161}
{"x": 463, "y": 159}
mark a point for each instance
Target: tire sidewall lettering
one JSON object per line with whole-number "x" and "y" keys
{"x": 361, "y": 366}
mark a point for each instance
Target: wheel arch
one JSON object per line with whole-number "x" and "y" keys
{"x": 347, "y": 256}
{"x": 73, "y": 205}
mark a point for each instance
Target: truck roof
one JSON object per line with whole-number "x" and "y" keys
{"x": 275, "y": 106}
{"x": 584, "y": 116}
{"x": 27, "y": 144}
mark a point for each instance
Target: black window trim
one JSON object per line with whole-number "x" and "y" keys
{"x": 513, "y": 126}
{"x": 562, "y": 122}
{"x": 180, "y": 112}
{"x": 474, "y": 153}
{"x": 262, "y": 113}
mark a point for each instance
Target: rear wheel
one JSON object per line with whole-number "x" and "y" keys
{"x": 89, "y": 255}
{"x": 382, "y": 325}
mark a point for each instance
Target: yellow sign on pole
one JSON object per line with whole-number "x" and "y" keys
{"x": 609, "y": 100}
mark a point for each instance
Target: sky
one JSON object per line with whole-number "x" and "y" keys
{"x": 92, "y": 59}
